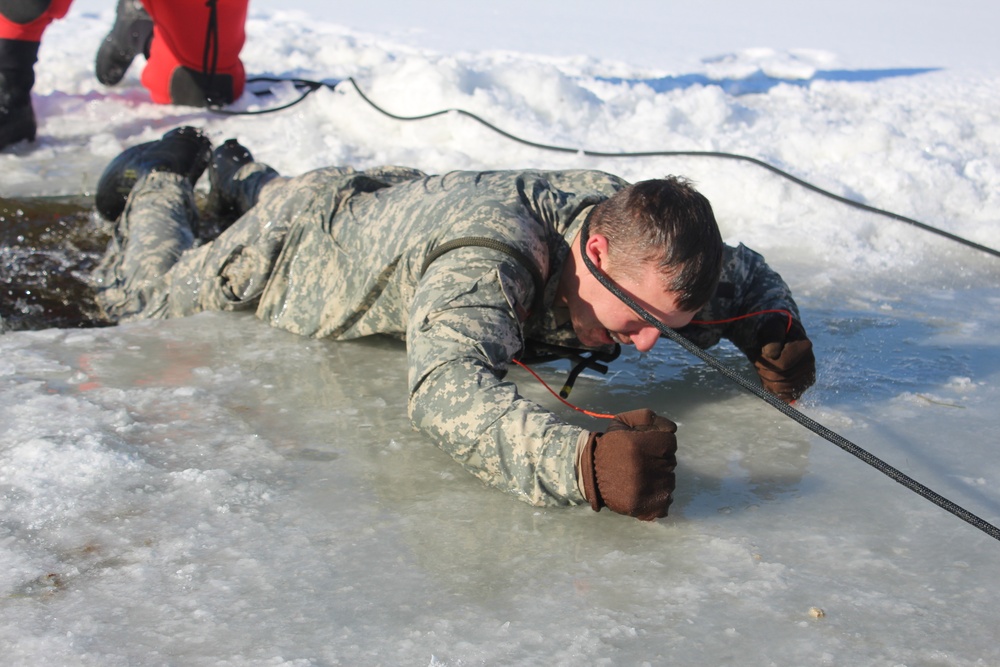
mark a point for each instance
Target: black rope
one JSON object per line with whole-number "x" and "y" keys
{"x": 312, "y": 86}
{"x": 711, "y": 154}
{"x": 781, "y": 406}
{"x": 305, "y": 85}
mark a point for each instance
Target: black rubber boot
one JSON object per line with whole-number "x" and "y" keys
{"x": 192, "y": 88}
{"x": 17, "y": 77}
{"x": 226, "y": 161}
{"x": 184, "y": 151}
{"x": 130, "y": 36}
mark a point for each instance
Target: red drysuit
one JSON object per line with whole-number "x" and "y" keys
{"x": 191, "y": 50}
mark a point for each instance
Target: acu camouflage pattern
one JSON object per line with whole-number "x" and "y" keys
{"x": 747, "y": 285}
{"x": 338, "y": 253}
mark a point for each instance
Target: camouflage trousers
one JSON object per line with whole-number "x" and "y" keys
{"x": 155, "y": 266}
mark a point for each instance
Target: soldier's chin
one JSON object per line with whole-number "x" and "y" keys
{"x": 596, "y": 338}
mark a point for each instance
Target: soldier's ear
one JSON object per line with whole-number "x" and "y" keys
{"x": 597, "y": 250}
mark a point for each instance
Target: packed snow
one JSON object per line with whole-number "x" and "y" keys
{"x": 210, "y": 491}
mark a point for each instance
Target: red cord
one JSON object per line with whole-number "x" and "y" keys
{"x": 788, "y": 314}
{"x": 601, "y": 415}
{"x": 598, "y": 415}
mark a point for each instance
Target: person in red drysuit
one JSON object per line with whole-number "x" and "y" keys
{"x": 193, "y": 54}
{"x": 192, "y": 49}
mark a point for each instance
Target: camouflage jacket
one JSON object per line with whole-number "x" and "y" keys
{"x": 343, "y": 254}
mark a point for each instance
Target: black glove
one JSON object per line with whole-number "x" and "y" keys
{"x": 783, "y": 358}
{"x": 630, "y": 469}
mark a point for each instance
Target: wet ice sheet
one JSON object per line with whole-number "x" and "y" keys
{"x": 210, "y": 490}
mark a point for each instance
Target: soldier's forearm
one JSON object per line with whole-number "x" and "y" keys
{"x": 503, "y": 439}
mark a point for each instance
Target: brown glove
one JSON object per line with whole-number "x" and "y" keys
{"x": 630, "y": 469}
{"x": 784, "y": 358}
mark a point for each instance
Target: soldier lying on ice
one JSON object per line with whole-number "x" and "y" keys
{"x": 472, "y": 269}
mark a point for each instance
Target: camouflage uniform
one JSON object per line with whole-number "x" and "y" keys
{"x": 342, "y": 253}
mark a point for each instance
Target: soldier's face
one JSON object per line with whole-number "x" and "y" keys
{"x": 601, "y": 318}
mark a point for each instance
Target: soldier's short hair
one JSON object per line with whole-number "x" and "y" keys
{"x": 669, "y": 222}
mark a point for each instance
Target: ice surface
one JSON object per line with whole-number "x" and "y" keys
{"x": 211, "y": 491}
